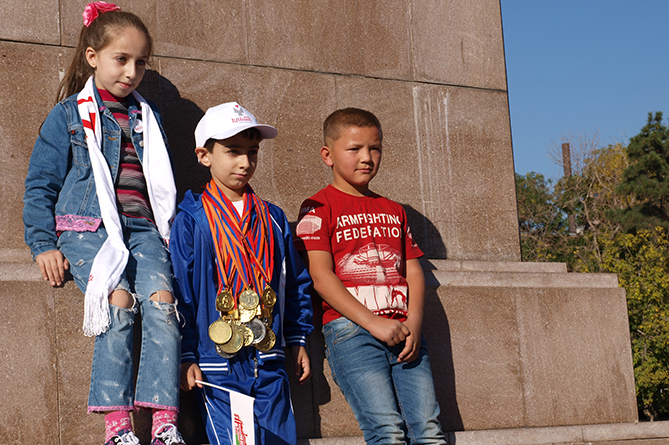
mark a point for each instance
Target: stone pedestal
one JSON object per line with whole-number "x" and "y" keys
{"x": 521, "y": 352}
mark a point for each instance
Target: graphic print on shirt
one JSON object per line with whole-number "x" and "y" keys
{"x": 370, "y": 242}
{"x": 309, "y": 224}
{"x": 377, "y": 266}
{"x": 368, "y": 266}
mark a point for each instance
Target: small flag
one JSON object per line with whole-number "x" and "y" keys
{"x": 241, "y": 409}
{"x": 241, "y": 416}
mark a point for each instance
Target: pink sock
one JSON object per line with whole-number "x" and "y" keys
{"x": 116, "y": 421}
{"x": 161, "y": 417}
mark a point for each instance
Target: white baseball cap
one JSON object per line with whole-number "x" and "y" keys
{"x": 226, "y": 120}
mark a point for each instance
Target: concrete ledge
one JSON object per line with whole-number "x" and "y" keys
{"x": 20, "y": 271}
{"x": 15, "y": 255}
{"x": 626, "y": 431}
{"x": 631, "y": 433}
{"x": 510, "y": 274}
{"x": 17, "y": 265}
{"x": 493, "y": 266}
{"x": 520, "y": 279}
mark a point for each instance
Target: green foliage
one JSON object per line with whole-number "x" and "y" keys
{"x": 539, "y": 218}
{"x": 646, "y": 179}
{"x": 641, "y": 261}
{"x": 536, "y": 211}
{"x": 586, "y": 195}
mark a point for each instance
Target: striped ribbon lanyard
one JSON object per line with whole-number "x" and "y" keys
{"x": 243, "y": 248}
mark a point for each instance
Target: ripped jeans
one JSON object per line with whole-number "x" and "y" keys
{"x": 148, "y": 271}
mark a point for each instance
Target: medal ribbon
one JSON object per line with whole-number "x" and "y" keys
{"x": 240, "y": 245}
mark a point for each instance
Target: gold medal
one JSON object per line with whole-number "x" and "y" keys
{"x": 220, "y": 332}
{"x": 268, "y": 342}
{"x": 266, "y": 312}
{"x": 223, "y": 354}
{"x": 236, "y": 341}
{"x": 245, "y": 315}
{"x": 268, "y": 296}
{"x": 225, "y": 301}
{"x": 248, "y": 335}
{"x": 249, "y": 299}
{"x": 266, "y": 316}
{"x": 259, "y": 330}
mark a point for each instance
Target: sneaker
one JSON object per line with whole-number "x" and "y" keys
{"x": 123, "y": 437}
{"x": 169, "y": 435}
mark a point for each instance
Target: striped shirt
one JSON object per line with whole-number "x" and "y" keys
{"x": 132, "y": 198}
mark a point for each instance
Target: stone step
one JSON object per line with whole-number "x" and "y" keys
{"x": 631, "y": 433}
{"x": 640, "y": 433}
{"x": 520, "y": 279}
{"x": 493, "y": 266}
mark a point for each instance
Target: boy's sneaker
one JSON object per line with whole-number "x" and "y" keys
{"x": 169, "y": 435}
{"x": 123, "y": 437}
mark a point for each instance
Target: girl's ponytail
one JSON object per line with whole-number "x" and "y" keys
{"x": 99, "y": 33}
{"x": 77, "y": 72}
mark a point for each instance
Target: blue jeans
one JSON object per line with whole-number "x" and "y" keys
{"x": 394, "y": 403}
{"x": 147, "y": 272}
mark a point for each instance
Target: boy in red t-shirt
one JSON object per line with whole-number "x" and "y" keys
{"x": 364, "y": 263}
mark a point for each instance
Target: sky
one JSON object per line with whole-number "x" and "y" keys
{"x": 582, "y": 70}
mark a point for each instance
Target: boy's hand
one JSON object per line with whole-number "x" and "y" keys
{"x": 53, "y": 264}
{"x": 302, "y": 363}
{"x": 414, "y": 321}
{"x": 410, "y": 351}
{"x": 189, "y": 373}
{"x": 391, "y": 332}
{"x": 412, "y": 345}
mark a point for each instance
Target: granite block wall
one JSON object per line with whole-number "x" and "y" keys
{"x": 432, "y": 71}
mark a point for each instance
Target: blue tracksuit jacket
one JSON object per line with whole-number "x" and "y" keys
{"x": 194, "y": 262}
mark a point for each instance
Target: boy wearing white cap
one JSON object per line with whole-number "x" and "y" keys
{"x": 241, "y": 287}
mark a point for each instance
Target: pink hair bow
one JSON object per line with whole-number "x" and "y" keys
{"x": 94, "y": 9}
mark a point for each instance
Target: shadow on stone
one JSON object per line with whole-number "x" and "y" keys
{"x": 321, "y": 391}
{"x": 426, "y": 234}
{"x": 438, "y": 335}
{"x": 180, "y": 117}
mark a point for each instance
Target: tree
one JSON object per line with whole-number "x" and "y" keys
{"x": 588, "y": 194}
{"x": 646, "y": 179}
{"x": 641, "y": 261}
{"x": 539, "y": 218}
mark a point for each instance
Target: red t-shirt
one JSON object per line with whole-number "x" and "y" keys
{"x": 370, "y": 241}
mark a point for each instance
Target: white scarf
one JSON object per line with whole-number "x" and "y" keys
{"x": 111, "y": 259}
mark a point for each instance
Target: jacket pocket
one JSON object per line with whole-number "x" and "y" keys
{"x": 80, "y": 155}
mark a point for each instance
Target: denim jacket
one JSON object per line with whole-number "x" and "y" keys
{"x": 60, "y": 188}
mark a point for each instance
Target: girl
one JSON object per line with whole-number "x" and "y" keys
{"x": 99, "y": 201}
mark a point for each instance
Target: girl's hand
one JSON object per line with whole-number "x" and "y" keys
{"x": 53, "y": 264}
{"x": 302, "y": 363}
{"x": 189, "y": 373}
